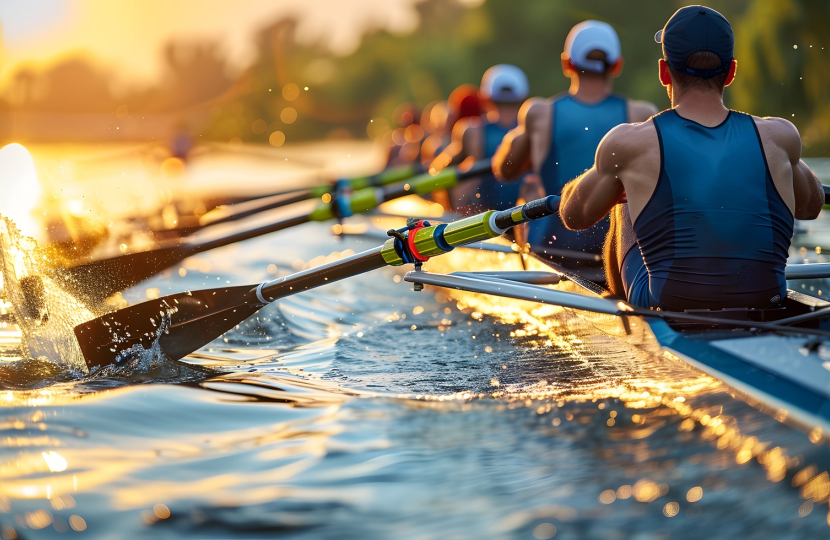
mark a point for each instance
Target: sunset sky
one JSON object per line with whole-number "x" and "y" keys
{"x": 127, "y": 35}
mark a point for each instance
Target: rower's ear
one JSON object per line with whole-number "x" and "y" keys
{"x": 567, "y": 67}
{"x": 665, "y": 76}
{"x": 730, "y": 75}
{"x": 616, "y": 69}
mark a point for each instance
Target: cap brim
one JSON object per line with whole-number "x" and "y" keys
{"x": 658, "y": 37}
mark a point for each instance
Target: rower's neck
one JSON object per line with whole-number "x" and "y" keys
{"x": 702, "y": 106}
{"x": 506, "y": 114}
{"x": 591, "y": 88}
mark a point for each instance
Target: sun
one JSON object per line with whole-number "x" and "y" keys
{"x": 20, "y": 190}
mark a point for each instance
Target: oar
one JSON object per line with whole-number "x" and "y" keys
{"x": 182, "y": 323}
{"x": 499, "y": 286}
{"x": 223, "y": 214}
{"x": 96, "y": 280}
{"x": 261, "y": 203}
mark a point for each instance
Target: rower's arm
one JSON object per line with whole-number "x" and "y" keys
{"x": 513, "y": 155}
{"x": 459, "y": 148}
{"x": 807, "y": 188}
{"x": 809, "y": 193}
{"x": 590, "y": 197}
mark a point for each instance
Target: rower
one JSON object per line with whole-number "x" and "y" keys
{"x": 557, "y": 137}
{"x": 503, "y": 89}
{"x": 462, "y": 103}
{"x": 711, "y": 193}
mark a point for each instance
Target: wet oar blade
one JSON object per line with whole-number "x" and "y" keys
{"x": 97, "y": 280}
{"x": 129, "y": 331}
{"x": 184, "y": 322}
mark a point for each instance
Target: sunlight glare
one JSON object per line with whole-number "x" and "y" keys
{"x": 20, "y": 189}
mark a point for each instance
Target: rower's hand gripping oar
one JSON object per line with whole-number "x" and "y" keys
{"x": 96, "y": 280}
{"x": 184, "y": 322}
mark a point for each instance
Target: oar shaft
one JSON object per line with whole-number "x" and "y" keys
{"x": 359, "y": 263}
{"x": 229, "y": 213}
{"x": 278, "y": 200}
{"x": 428, "y": 241}
{"x": 245, "y": 235}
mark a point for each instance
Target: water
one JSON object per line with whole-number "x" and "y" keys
{"x": 367, "y": 410}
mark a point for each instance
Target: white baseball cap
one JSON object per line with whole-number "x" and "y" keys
{"x": 504, "y": 83}
{"x": 590, "y": 36}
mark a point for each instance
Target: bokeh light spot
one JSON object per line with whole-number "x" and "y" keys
{"x": 277, "y": 138}
{"x": 543, "y": 531}
{"x": 290, "y": 91}
{"x": 288, "y": 115}
{"x": 258, "y": 126}
{"x": 77, "y": 523}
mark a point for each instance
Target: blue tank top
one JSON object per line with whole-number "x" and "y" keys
{"x": 715, "y": 233}
{"x": 577, "y": 128}
{"x": 495, "y": 195}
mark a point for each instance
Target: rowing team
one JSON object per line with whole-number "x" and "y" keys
{"x": 692, "y": 208}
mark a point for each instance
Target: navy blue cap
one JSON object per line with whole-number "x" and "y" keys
{"x": 694, "y": 29}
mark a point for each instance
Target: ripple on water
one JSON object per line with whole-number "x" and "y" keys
{"x": 379, "y": 415}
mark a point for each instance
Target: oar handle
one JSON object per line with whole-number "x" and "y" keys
{"x": 537, "y": 209}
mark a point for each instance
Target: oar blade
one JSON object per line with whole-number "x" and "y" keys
{"x": 181, "y": 322}
{"x": 96, "y": 280}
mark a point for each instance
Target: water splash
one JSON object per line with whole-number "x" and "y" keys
{"x": 137, "y": 358}
{"x": 45, "y": 312}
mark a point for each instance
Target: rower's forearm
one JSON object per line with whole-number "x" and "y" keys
{"x": 570, "y": 209}
{"x": 512, "y": 158}
{"x": 450, "y": 156}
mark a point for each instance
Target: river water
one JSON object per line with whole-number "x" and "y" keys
{"x": 365, "y": 409}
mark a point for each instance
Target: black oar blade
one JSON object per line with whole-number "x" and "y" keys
{"x": 96, "y": 280}
{"x": 181, "y": 322}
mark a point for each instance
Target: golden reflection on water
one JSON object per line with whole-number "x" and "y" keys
{"x": 638, "y": 375}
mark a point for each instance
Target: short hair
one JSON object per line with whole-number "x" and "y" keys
{"x": 596, "y": 54}
{"x": 700, "y": 60}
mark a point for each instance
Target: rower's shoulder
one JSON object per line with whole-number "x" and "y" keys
{"x": 534, "y": 109}
{"x": 779, "y": 131}
{"x": 631, "y": 134}
{"x": 775, "y": 126}
{"x": 640, "y": 111}
{"x": 627, "y": 141}
{"x": 467, "y": 125}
